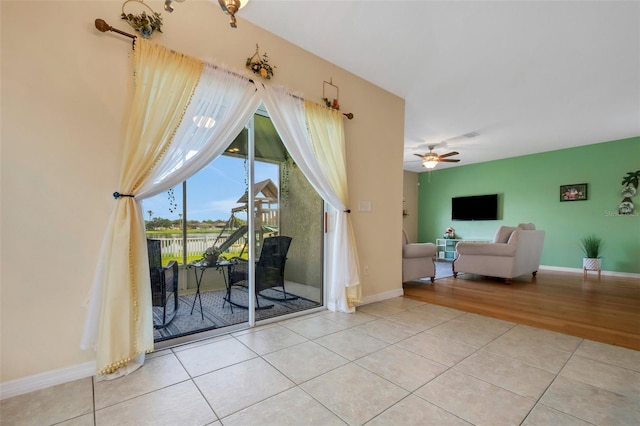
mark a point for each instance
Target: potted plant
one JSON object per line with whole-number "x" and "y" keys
{"x": 591, "y": 247}
{"x": 211, "y": 255}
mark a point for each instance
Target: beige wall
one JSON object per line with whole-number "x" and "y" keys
{"x": 63, "y": 96}
{"x": 410, "y": 205}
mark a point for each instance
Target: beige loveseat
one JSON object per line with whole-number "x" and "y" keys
{"x": 515, "y": 251}
{"x": 417, "y": 260}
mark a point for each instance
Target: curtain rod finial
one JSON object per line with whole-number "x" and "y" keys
{"x": 102, "y": 26}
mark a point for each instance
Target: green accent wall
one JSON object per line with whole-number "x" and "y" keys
{"x": 528, "y": 189}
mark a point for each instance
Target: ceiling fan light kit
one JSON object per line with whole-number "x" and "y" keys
{"x": 431, "y": 159}
{"x": 230, "y": 7}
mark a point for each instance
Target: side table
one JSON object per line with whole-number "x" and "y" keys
{"x": 202, "y": 266}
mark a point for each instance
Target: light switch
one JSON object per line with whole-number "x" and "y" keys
{"x": 365, "y": 206}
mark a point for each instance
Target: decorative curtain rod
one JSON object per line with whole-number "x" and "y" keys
{"x": 103, "y": 27}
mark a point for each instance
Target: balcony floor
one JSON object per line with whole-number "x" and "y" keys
{"x": 218, "y": 313}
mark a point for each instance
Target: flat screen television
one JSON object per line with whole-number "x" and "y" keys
{"x": 476, "y": 207}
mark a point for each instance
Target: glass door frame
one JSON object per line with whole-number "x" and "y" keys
{"x": 251, "y": 322}
{"x": 251, "y": 222}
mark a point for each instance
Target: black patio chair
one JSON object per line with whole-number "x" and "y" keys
{"x": 164, "y": 282}
{"x": 269, "y": 270}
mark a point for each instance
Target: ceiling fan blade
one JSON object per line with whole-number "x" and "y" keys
{"x": 449, "y": 161}
{"x": 418, "y": 155}
{"x": 449, "y": 154}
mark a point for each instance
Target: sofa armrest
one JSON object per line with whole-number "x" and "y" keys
{"x": 418, "y": 250}
{"x": 486, "y": 249}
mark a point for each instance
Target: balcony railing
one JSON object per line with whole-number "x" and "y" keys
{"x": 173, "y": 246}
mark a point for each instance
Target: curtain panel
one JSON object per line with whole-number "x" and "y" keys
{"x": 314, "y": 136}
{"x": 326, "y": 130}
{"x": 183, "y": 114}
{"x": 120, "y": 323}
{"x": 170, "y": 136}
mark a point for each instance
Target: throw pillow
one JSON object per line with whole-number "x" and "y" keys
{"x": 503, "y": 234}
{"x": 527, "y": 226}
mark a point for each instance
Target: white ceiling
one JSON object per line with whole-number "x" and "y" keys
{"x": 527, "y": 76}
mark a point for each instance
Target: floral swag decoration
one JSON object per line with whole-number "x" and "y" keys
{"x": 143, "y": 23}
{"x": 260, "y": 65}
{"x": 331, "y": 104}
{"x": 327, "y": 101}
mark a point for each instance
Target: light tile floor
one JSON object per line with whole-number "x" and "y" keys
{"x": 397, "y": 362}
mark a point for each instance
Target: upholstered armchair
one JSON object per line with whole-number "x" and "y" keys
{"x": 417, "y": 260}
{"x": 515, "y": 251}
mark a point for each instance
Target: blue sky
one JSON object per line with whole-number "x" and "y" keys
{"x": 212, "y": 192}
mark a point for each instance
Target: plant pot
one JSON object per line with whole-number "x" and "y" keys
{"x": 591, "y": 264}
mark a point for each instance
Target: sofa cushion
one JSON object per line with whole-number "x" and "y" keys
{"x": 503, "y": 233}
{"x": 486, "y": 249}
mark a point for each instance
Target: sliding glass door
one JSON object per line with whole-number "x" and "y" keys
{"x": 289, "y": 234}
{"x": 247, "y": 233}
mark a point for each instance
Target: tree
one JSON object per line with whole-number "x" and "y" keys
{"x": 158, "y": 223}
{"x": 150, "y": 213}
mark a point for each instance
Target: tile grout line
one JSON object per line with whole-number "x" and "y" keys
{"x": 192, "y": 379}
{"x": 453, "y": 367}
{"x": 537, "y": 401}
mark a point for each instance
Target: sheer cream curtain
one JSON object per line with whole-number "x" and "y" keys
{"x": 326, "y": 128}
{"x": 314, "y": 136}
{"x": 183, "y": 114}
{"x": 222, "y": 105}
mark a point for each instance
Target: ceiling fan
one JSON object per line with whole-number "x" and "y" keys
{"x": 431, "y": 159}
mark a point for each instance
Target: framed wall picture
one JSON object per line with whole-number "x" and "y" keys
{"x": 573, "y": 192}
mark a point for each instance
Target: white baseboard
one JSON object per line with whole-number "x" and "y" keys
{"x": 44, "y": 380}
{"x": 579, "y": 271}
{"x": 381, "y": 296}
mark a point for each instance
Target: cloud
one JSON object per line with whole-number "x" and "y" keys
{"x": 224, "y": 175}
{"x": 214, "y": 209}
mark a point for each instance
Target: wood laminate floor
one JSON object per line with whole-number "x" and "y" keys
{"x": 605, "y": 310}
